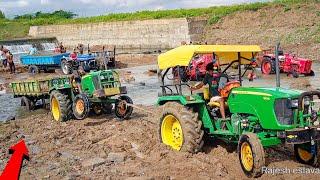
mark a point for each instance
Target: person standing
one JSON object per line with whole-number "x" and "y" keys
{"x": 33, "y": 50}
{"x": 80, "y": 48}
{"x": 10, "y": 62}
{"x": 3, "y": 56}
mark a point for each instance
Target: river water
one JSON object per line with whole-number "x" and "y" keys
{"x": 145, "y": 88}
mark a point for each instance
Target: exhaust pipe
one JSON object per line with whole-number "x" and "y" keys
{"x": 277, "y": 65}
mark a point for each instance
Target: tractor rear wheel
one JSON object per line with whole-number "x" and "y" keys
{"x": 81, "y": 106}
{"x": 251, "y": 154}
{"x": 122, "y": 110}
{"x": 268, "y": 66}
{"x": 66, "y": 67}
{"x": 27, "y": 103}
{"x": 180, "y": 128}
{"x": 60, "y": 106}
{"x": 303, "y": 154}
{"x": 311, "y": 73}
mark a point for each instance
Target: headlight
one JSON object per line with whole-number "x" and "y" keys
{"x": 294, "y": 103}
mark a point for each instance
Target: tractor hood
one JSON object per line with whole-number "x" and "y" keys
{"x": 268, "y": 92}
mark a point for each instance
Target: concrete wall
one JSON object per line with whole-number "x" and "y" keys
{"x": 147, "y": 34}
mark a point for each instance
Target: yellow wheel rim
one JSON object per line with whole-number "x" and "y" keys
{"x": 304, "y": 155}
{"x": 171, "y": 132}
{"x": 55, "y": 109}
{"x": 246, "y": 156}
{"x": 80, "y": 106}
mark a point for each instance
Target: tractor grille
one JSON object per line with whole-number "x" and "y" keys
{"x": 283, "y": 111}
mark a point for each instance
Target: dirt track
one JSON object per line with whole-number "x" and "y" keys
{"x": 106, "y": 148}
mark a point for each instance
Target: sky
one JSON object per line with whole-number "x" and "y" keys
{"x": 100, "y": 7}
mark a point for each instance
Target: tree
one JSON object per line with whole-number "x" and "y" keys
{"x": 2, "y": 16}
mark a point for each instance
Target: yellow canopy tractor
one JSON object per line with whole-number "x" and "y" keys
{"x": 181, "y": 56}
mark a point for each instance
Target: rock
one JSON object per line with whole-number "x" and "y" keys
{"x": 93, "y": 162}
{"x": 221, "y": 170}
{"x": 67, "y": 156}
{"x": 35, "y": 149}
{"x": 140, "y": 178}
{"x": 116, "y": 157}
{"x": 142, "y": 83}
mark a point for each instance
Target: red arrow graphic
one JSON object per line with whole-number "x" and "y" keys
{"x": 13, "y": 168}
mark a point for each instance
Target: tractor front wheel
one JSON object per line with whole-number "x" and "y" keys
{"x": 311, "y": 73}
{"x": 81, "y": 106}
{"x": 180, "y": 128}
{"x": 304, "y": 155}
{"x": 251, "y": 154}
{"x": 60, "y": 106}
{"x": 122, "y": 110}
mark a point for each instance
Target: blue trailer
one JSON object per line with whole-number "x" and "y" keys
{"x": 47, "y": 63}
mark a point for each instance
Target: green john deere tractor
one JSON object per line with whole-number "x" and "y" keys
{"x": 257, "y": 117}
{"x": 99, "y": 91}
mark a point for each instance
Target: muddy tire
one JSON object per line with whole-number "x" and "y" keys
{"x": 268, "y": 66}
{"x": 81, "y": 106}
{"x": 121, "y": 110}
{"x": 60, "y": 106}
{"x": 251, "y": 155}
{"x": 27, "y": 104}
{"x": 66, "y": 67}
{"x": 33, "y": 69}
{"x": 303, "y": 155}
{"x": 180, "y": 128}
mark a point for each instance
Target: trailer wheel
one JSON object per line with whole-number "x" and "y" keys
{"x": 303, "y": 154}
{"x": 81, "y": 106}
{"x": 66, "y": 67}
{"x": 180, "y": 128}
{"x": 122, "y": 110}
{"x": 60, "y": 106}
{"x": 268, "y": 66}
{"x": 27, "y": 103}
{"x": 33, "y": 69}
{"x": 251, "y": 154}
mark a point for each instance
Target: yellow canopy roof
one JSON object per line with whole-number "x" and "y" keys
{"x": 181, "y": 56}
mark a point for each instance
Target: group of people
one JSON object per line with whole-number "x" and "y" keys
{"x": 7, "y": 59}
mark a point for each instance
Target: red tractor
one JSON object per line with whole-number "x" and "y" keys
{"x": 288, "y": 63}
{"x": 197, "y": 68}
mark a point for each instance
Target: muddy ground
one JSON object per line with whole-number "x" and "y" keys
{"x": 105, "y": 148}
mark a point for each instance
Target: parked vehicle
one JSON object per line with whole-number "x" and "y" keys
{"x": 99, "y": 91}
{"x": 87, "y": 61}
{"x": 257, "y": 117}
{"x": 288, "y": 63}
{"x": 47, "y": 63}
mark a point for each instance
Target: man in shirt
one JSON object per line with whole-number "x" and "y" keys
{"x": 212, "y": 78}
{"x": 10, "y": 62}
{"x": 33, "y": 50}
{"x": 3, "y": 56}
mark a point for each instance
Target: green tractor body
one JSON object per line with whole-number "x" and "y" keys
{"x": 97, "y": 91}
{"x": 257, "y": 117}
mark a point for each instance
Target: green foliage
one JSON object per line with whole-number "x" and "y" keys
{"x": 2, "y": 16}
{"x": 56, "y": 14}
